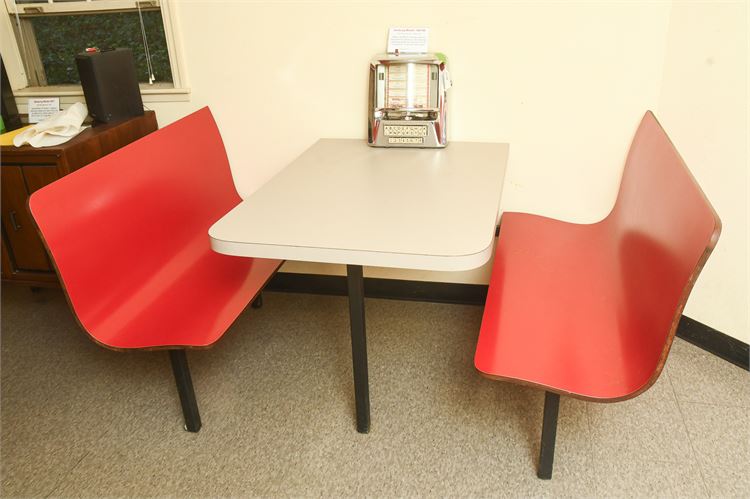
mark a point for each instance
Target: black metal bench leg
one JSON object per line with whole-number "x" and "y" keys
{"x": 549, "y": 433}
{"x": 258, "y": 302}
{"x": 185, "y": 389}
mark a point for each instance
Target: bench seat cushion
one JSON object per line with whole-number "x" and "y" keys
{"x": 190, "y": 308}
{"x": 557, "y": 315}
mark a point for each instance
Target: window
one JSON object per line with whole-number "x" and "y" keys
{"x": 49, "y": 34}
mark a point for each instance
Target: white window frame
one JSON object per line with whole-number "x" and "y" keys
{"x": 179, "y": 90}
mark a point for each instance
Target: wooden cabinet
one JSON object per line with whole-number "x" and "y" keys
{"x": 26, "y": 169}
{"x": 27, "y": 254}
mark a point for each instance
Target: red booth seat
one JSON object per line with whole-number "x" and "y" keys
{"x": 590, "y": 311}
{"x": 128, "y": 235}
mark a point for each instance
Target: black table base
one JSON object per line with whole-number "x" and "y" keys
{"x": 355, "y": 284}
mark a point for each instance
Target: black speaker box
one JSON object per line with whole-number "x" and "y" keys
{"x": 110, "y": 84}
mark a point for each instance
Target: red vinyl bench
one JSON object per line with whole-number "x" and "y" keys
{"x": 590, "y": 311}
{"x": 128, "y": 235}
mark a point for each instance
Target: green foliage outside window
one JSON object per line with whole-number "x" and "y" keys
{"x": 60, "y": 38}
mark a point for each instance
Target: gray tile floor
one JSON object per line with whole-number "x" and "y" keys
{"x": 277, "y": 408}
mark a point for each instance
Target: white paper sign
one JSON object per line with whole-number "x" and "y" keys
{"x": 41, "y": 108}
{"x": 408, "y": 40}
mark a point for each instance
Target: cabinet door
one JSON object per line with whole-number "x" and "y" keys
{"x": 25, "y": 249}
{"x": 37, "y": 177}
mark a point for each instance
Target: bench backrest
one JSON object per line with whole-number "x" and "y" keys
{"x": 664, "y": 229}
{"x": 136, "y": 218}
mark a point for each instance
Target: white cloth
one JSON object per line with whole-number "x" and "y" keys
{"x": 58, "y": 128}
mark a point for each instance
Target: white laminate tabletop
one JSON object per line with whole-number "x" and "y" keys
{"x": 342, "y": 201}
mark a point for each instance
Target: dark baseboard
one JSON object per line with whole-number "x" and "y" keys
{"x": 705, "y": 337}
{"x": 713, "y": 341}
{"x": 392, "y": 289}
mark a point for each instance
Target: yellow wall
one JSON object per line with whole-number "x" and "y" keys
{"x": 565, "y": 83}
{"x": 703, "y": 105}
{"x": 544, "y": 77}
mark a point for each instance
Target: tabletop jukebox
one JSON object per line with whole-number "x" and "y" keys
{"x": 407, "y": 101}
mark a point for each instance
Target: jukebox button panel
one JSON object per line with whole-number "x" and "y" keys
{"x": 405, "y": 131}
